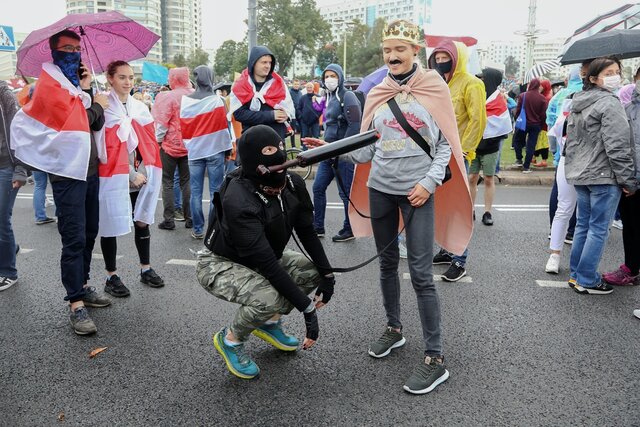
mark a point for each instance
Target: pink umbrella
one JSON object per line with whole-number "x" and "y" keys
{"x": 106, "y": 37}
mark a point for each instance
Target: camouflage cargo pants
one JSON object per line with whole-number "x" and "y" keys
{"x": 258, "y": 299}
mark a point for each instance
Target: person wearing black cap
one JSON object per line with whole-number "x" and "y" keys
{"x": 246, "y": 261}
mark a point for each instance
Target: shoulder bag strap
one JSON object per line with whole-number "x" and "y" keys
{"x": 413, "y": 134}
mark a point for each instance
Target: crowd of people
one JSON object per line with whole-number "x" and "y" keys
{"x": 440, "y": 129}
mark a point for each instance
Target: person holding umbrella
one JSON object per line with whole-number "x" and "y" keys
{"x": 58, "y": 124}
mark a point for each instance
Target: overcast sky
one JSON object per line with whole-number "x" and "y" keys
{"x": 485, "y": 20}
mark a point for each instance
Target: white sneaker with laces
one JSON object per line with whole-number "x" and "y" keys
{"x": 553, "y": 265}
{"x": 617, "y": 224}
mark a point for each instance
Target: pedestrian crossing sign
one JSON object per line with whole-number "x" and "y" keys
{"x": 7, "y": 41}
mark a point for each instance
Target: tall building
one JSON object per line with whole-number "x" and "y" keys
{"x": 340, "y": 15}
{"x": 9, "y": 60}
{"x": 181, "y": 27}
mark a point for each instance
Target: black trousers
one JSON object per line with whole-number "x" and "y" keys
{"x": 169, "y": 165}
{"x": 630, "y": 216}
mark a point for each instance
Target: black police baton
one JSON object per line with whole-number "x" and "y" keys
{"x": 327, "y": 151}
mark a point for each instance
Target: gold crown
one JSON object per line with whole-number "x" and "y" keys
{"x": 402, "y": 30}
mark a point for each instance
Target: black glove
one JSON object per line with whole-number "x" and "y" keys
{"x": 326, "y": 288}
{"x": 311, "y": 322}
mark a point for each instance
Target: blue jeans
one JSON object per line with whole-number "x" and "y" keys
{"x": 528, "y": 138}
{"x": 214, "y": 166}
{"x": 39, "y": 197}
{"x": 324, "y": 176}
{"x": 229, "y": 166}
{"x": 177, "y": 194}
{"x": 7, "y": 240}
{"x": 77, "y": 212}
{"x": 310, "y": 130}
{"x": 596, "y": 207}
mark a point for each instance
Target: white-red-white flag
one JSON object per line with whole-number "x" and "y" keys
{"x": 204, "y": 125}
{"x": 51, "y": 133}
{"x": 498, "y": 118}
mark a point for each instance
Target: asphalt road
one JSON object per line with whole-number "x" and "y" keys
{"x": 519, "y": 353}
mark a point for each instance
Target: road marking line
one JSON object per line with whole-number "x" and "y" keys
{"x": 99, "y": 256}
{"x": 552, "y": 283}
{"x": 522, "y": 209}
{"x": 187, "y": 262}
{"x": 438, "y": 278}
{"x": 25, "y": 250}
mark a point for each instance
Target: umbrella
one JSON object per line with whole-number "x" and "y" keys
{"x": 541, "y": 68}
{"x": 106, "y": 37}
{"x": 624, "y": 17}
{"x": 373, "y": 79}
{"x": 619, "y": 43}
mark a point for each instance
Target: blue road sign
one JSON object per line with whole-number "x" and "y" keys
{"x": 7, "y": 41}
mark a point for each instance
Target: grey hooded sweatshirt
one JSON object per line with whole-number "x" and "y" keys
{"x": 204, "y": 82}
{"x": 598, "y": 148}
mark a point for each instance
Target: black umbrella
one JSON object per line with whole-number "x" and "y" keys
{"x": 619, "y": 43}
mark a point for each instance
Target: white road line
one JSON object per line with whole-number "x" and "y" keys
{"x": 187, "y": 262}
{"x": 522, "y": 209}
{"x": 552, "y": 283}
{"x": 99, "y": 256}
{"x": 438, "y": 278}
{"x": 25, "y": 250}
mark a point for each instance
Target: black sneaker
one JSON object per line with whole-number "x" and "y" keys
{"x": 178, "y": 215}
{"x": 455, "y": 272}
{"x": 569, "y": 239}
{"x": 442, "y": 257}
{"x": 114, "y": 286}
{"x": 92, "y": 299}
{"x": 389, "y": 340}
{"x": 6, "y": 283}
{"x": 427, "y": 376}
{"x": 343, "y": 236}
{"x": 487, "y": 219}
{"x": 167, "y": 225}
{"x": 188, "y": 223}
{"x": 601, "y": 289}
{"x": 319, "y": 232}
{"x": 46, "y": 220}
{"x": 151, "y": 278}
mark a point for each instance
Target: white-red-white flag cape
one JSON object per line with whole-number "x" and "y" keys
{"x": 498, "y": 119}
{"x": 129, "y": 128}
{"x": 274, "y": 93}
{"x": 51, "y": 133}
{"x": 204, "y": 126}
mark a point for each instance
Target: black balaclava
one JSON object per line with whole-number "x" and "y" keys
{"x": 444, "y": 67}
{"x": 251, "y": 147}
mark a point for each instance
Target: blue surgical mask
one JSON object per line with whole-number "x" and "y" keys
{"x": 69, "y": 63}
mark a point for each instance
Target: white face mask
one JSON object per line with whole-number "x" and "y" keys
{"x": 331, "y": 83}
{"x": 611, "y": 83}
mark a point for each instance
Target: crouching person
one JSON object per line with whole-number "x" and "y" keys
{"x": 246, "y": 261}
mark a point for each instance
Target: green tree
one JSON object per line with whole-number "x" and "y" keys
{"x": 179, "y": 60}
{"x": 326, "y": 55}
{"x": 197, "y": 57}
{"x": 511, "y": 66}
{"x": 240, "y": 58}
{"x": 364, "y": 54}
{"x": 288, "y": 27}
{"x": 225, "y": 56}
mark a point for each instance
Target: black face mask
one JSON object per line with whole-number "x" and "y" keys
{"x": 444, "y": 67}
{"x": 252, "y": 147}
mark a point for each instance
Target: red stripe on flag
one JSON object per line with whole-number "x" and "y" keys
{"x": 496, "y": 107}
{"x": 147, "y": 145}
{"x": 55, "y": 107}
{"x": 204, "y": 124}
{"x": 117, "y": 155}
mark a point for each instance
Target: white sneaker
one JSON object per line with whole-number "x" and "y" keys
{"x": 553, "y": 265}
{"x": 403, "y": 250}
{"x": 617, "y": 224}
{"x": 636, "y": 313}
{"x": 48, "y": 202}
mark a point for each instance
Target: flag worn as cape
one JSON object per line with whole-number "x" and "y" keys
{"x": 129, "y": 128}
{"x": 453, "y": 207}
{"x": 51, "y": 133}
{"x": 498, "y": 118}
{"x": 204, "y": 125}
{"x": 274, "y": 93}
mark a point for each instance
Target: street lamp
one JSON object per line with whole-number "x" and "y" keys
{"x": 344, "y": 37}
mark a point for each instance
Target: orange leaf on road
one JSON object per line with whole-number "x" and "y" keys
{"x": 96, "y": 351}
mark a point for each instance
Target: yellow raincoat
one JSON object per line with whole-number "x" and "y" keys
{"x": 468, "y": 97}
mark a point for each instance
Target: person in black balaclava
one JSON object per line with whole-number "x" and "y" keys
{"x": 246, "y": 261}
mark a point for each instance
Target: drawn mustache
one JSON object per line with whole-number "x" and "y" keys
{"x": 395, "y": 62}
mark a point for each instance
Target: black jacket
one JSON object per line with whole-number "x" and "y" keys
{"x": 253, "y": 229}
{"x": 265, "y": 116}
{"x": 308, "y": 114}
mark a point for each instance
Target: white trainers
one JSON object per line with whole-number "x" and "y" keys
{"x": 553, "y": 265}
{"x": 636, "y": 313}
{"x": 48, "y": 202}
{"x": 617, "y": 224}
